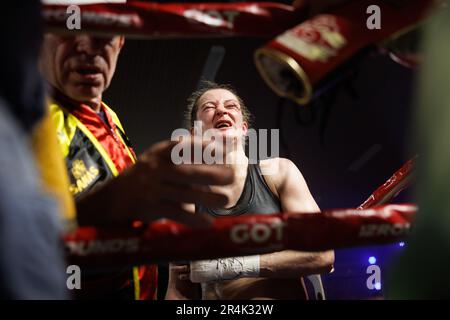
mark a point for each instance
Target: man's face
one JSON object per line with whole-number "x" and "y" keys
{"x": 80, "y": 66}
{"x": 219, "y": 109}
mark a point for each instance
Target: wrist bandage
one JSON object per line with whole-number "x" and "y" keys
{"x": 224, "y": 269}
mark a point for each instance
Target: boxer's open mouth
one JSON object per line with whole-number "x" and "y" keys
{"x": 223, "y": 124}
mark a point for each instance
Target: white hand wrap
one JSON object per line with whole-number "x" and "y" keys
{"x": 224, "y": 269}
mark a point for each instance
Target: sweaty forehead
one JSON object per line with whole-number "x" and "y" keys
{"x": 216, "y": 95}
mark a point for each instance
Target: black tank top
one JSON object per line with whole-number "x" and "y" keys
{"x": 256, "y": 197}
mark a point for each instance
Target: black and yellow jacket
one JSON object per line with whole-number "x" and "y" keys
{"x": 96, "y": 149}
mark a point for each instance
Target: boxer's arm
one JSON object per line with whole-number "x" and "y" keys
{"x": 295, "y": 196}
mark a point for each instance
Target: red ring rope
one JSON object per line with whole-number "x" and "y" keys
{"x": 231, "y": 236}
{"x": 149, "y": 19}
{"x": 399, "y": 181}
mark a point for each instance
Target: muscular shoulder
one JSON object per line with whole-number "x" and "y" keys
{"x": 279, "y": 171}
{"x": 277, "y": 166}
{"x": 290, "y": 186}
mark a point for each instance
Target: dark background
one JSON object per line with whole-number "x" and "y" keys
{"x": 346, "y": 144}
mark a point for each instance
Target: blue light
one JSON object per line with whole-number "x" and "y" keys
{"x": 372, "y": 260}
{"x": 401, "y": 244}
{"x": 377, "y": 286}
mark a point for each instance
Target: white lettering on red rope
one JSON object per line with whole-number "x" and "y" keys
{"x": 258, "y": 232}
{"x": 386, "y": 229}
{"x": 212, "y": 17}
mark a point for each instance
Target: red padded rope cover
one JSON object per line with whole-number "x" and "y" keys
{"x": 149, "y": 19}
{"x": 234, "y": 236}
{"x": 399, "y": 181}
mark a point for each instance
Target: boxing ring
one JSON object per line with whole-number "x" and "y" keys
{"x": 375, "y": 222}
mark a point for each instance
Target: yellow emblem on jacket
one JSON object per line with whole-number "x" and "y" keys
{"x": 83, "y": 176}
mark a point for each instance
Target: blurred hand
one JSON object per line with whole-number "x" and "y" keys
{"x": 166, "y": 186}
{"x": 156, "y": 188}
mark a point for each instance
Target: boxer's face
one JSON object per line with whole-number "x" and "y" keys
{"x": 220, "y": 109}
{"x": 80, "y": 66}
